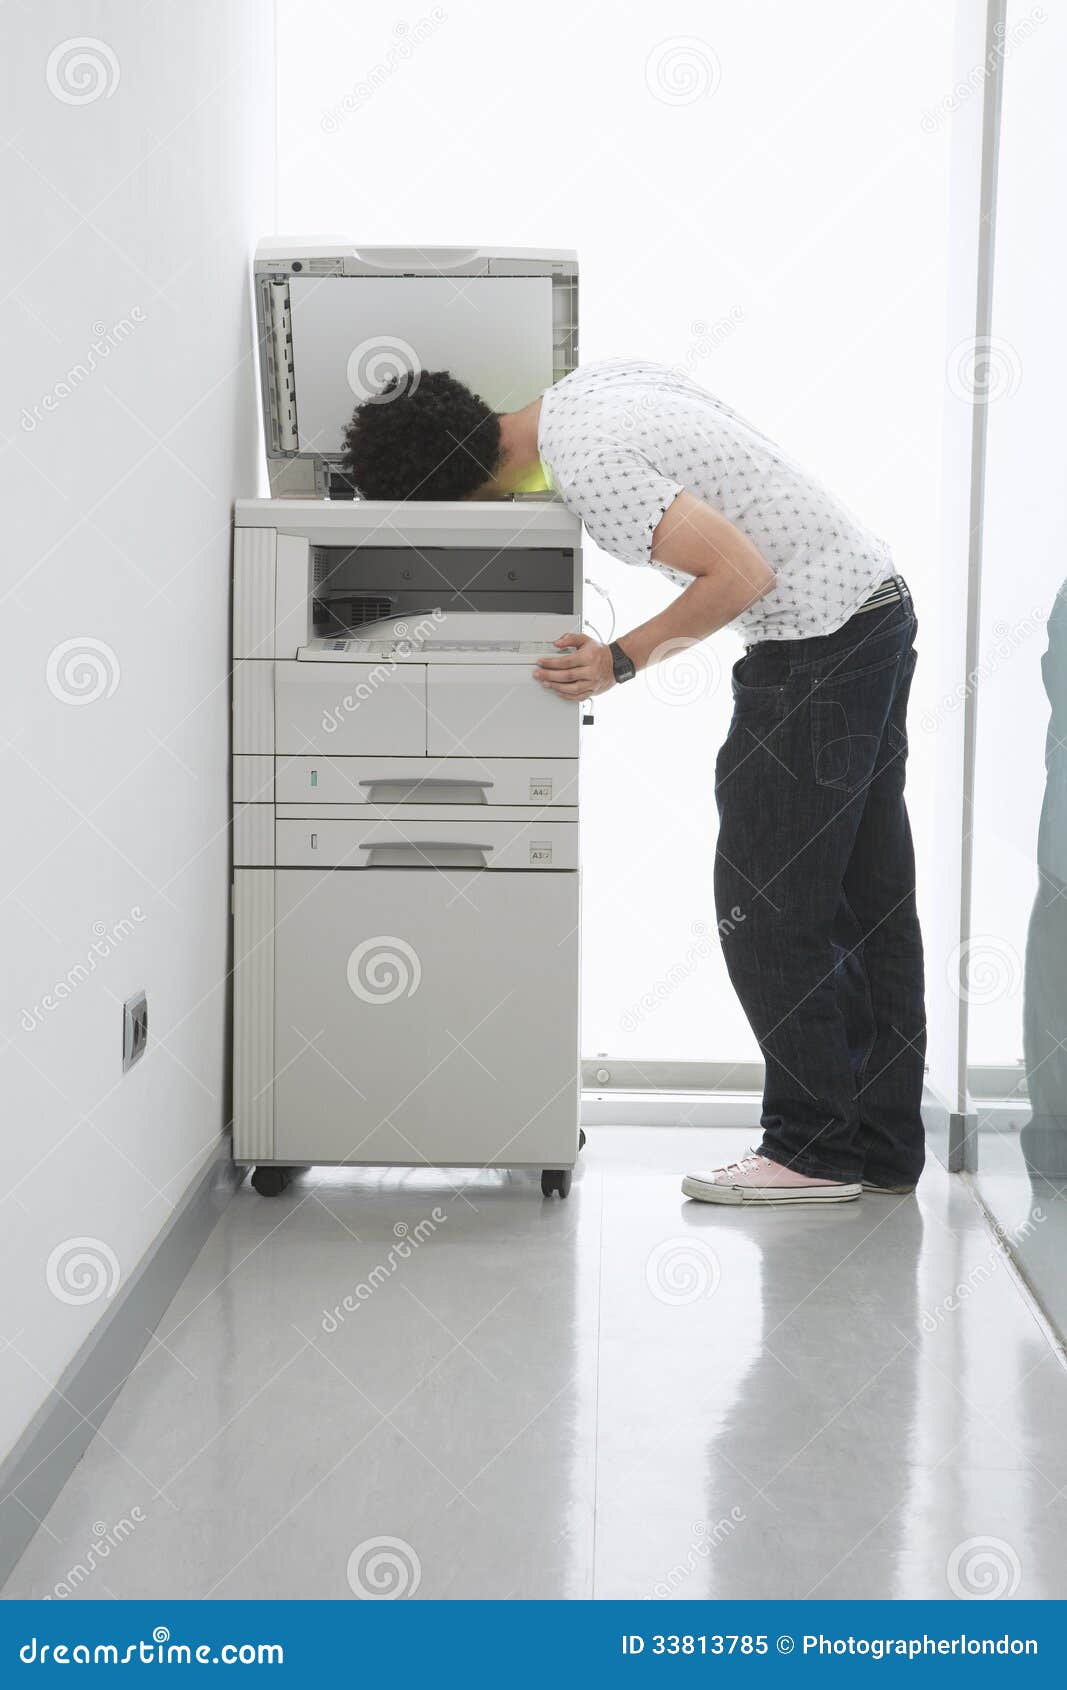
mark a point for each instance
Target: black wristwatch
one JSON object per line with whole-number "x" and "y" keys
{"x": 621, "y": 664}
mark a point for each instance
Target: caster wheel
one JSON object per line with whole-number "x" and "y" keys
{"x": 581, "y": 1138}
{"x": 271, "y": 1182}
{"x": 555, "y": 1180}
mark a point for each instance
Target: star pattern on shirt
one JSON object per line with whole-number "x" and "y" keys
{"x": 621, "y": 439}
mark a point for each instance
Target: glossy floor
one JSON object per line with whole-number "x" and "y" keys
{"x": 377, "y": 1380}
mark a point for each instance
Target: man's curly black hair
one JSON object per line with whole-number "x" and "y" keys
{"x": 424, "y": 436}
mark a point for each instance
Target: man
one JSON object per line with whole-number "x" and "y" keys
{"x": 814, "y": 843}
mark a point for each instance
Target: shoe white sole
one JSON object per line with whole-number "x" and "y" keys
{"x": 889, "y": 1190}
{"x": 705, "y": 1191}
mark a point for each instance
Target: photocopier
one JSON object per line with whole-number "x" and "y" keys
{"x": 405, "y": 795}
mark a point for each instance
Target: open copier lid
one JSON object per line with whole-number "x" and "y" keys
{"x": 336, "y": 321}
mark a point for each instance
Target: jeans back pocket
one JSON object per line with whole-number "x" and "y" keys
{"x": 843, "y": 757}
{"x": 849, "y": 712}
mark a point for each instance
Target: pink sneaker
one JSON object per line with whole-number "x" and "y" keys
{"x": 756, "y": 1179}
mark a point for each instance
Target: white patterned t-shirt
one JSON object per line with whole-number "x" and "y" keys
{"x": 620, "y": 440}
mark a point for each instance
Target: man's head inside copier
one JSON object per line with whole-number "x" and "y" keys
{"x": 427, "y": 436}
{"x": 423, "y": 436}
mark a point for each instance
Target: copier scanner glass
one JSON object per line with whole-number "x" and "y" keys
{"x": 351, "y": 334}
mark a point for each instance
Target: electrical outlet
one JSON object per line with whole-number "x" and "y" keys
{"x": 134, "y": 1029}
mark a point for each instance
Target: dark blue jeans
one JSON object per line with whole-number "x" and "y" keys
{"x": 815, "y": 894}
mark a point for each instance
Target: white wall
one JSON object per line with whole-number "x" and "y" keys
{"x": 757, "y": 193}
{"x": 138, "y": 176}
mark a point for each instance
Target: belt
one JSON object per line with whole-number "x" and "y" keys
{"x": 893, "y": 590}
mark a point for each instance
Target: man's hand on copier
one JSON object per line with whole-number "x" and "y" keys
{"x": 728, "y": 572}
{"x": 585, "y": 670}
